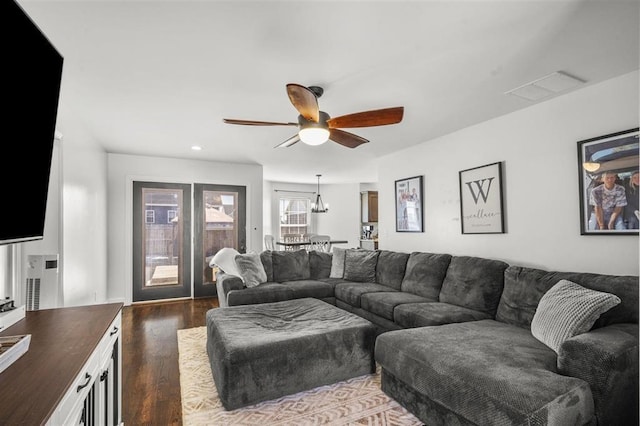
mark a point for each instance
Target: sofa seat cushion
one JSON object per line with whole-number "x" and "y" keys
{"x": 309, "y": 288}
{"x": 383, "y": 303}
{"x": 351, "y": 292}
{"x": 333, "y": 281}
{"x": 486, "y": 372}
{"x": 412, "y": 315}
{"x": 262, "y": 293}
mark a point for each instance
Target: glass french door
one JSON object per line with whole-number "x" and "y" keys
{"x": 161, "y": 241}
{"x": 219, "y": 221}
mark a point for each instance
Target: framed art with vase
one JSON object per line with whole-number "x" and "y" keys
{"x": 409, "y": 204}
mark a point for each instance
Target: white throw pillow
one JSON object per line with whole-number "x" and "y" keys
{"x": 251, "y": 269}
{"x": 337, "y": 262}
{"x": 567, "y": 310}
{"x": 225, "y": 259}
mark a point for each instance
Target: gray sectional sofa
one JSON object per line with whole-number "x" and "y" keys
{"x": 456, "y": 344}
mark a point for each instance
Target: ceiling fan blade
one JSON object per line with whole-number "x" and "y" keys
{"x": 304, "y": 100}
{"x": 345, "y": 138}
{"x": 256, "y": 123}
{"x": 292, "y": 140}
{"x": 378, "y": 117}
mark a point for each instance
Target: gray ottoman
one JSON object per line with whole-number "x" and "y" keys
{"x": 265, "y": 351}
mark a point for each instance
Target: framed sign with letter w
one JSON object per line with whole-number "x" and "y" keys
{"x": 481, "y": 209}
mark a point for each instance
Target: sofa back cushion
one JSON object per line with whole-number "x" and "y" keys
{"x": 424, "y": 274}
{"x": 290, "y": 265}
{"x": 360, "y": 265}
{"x": 319, "y": 264}
{"x": 391, "y": 268}
{"x": 267, "y": 263}
{"x": 524, "y": 287}
{"x": 474, "y": 283}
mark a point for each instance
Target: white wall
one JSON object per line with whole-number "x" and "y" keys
{"x": 124, "y": 169}
{"x": 342, "y": 221}
{"x": 83, "y": 250}
{"x": 538, "y": 146}
{"x": 51, "y": 242}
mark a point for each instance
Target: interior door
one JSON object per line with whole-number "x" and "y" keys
{"x": 220, "y": 221}
{"x": 161, "y": 241}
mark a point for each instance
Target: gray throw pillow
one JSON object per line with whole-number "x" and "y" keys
{"x": 251, "y": 269}
{"x": 567, "y": 310}
{"x": 360, "y": 265}
{"x": 337, "y": 263}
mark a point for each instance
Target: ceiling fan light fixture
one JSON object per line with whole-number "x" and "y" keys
{"x": 314, "y": 135}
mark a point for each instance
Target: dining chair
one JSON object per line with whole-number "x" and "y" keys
{"x": 269, "y": 242}
{"x": 307, "y": 237}
{"x": 320, "y": 243}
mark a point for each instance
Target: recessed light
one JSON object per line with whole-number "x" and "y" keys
{"x": 196, "y": 148}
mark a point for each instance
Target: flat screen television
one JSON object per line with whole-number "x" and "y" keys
{"x": 33, "y": 70}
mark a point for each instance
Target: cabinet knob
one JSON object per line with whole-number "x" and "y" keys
{"x": 114, "y": 331}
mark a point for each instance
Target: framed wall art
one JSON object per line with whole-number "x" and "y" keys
{"x": 608, "y": 180}
{"x": 409, "y": 205}
{"x": 481, "y": 209}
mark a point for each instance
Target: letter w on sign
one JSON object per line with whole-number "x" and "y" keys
{"x": 477, "y": 189}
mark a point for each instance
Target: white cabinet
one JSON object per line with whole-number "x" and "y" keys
{"x": 369, "y": 244}
{"x": 71, "y": 373}
{"x": 95, "y": 397}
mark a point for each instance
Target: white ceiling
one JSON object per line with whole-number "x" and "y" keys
{"x": 156, "y": 77}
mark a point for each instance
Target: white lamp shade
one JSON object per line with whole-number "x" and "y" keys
{"x": 314, "y": 135}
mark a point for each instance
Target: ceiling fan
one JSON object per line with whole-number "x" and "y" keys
{"x": 317, "y": 127}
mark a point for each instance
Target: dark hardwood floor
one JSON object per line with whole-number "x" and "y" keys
{"x": 151, "y": 380}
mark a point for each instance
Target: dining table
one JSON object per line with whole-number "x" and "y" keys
{"x": 306, "y": 243}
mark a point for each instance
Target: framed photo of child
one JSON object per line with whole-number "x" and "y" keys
{"x": 608, "y": 180}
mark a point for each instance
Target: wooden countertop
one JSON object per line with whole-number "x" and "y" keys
{"x": 62, "y": 340}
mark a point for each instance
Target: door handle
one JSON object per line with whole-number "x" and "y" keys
{"x": 88, "y": 377}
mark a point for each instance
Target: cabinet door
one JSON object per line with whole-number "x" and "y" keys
{"x": 372, "y": 200}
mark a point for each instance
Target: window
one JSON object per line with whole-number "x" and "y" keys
{"x": 171, "y": 215}
{"x": 294, "y": 216}
{"x": 149, "y": 216}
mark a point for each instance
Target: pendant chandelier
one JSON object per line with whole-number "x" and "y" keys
{"x": 319, "y": 206}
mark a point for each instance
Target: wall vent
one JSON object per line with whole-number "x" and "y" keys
{"x": 33, "y": 294}
{"x": 42, "y": 282}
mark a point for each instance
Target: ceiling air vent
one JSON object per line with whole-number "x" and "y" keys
{"x": 546, "y": 86}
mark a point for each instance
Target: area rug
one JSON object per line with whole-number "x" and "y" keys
{"x": 357, "y": 401}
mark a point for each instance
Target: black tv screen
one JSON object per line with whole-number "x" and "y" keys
{"x": 33, "y": 70}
